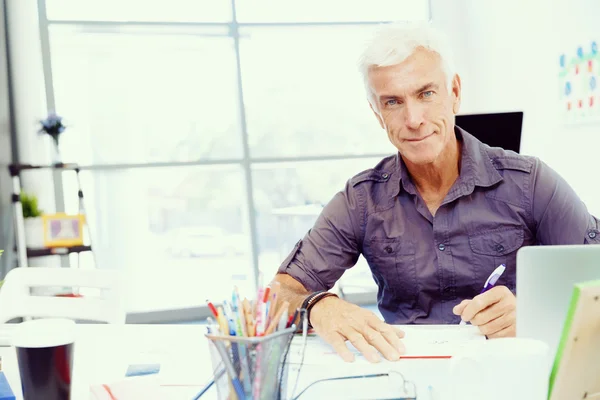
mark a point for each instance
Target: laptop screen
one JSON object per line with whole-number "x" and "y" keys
{"x": 496, "y": 130}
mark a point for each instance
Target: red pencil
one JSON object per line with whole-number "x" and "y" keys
{"x": 267, "y": 293}
{"x": 213, "y": 310}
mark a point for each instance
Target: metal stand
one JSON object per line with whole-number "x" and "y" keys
{"x": 25, "y": 253}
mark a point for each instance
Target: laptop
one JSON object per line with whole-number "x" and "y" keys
{"x": 494, "y": 129}
{"x": 545, "y": 279}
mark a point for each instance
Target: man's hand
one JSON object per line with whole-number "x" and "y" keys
{"x": 336, "y": 321}
{"x": 494, "y": 312}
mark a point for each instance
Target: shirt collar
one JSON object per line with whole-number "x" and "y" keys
{"x": 476, "y": 169}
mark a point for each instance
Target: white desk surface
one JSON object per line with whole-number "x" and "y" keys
{"x": 102, "y": 353}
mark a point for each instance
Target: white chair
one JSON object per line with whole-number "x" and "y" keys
{"x": 16, "y": 300}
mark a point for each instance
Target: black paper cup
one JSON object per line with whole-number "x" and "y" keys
{"x": 45, "y": 355}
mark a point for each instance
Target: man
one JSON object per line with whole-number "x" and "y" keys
{"x": 432, "y": 221}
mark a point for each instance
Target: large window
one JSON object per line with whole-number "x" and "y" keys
{"x": 211, "y": 133}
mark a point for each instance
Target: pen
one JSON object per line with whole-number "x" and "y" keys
{"x": 239, "y": 327}
{"x": 493, "y": 278}
{"x": 237, "y": 385}
{"x": 209, "y": 324}
{"x": 267, "y": 308}
{"x": 209, "y": 384}
{"x": 238, "y": 314}
{"x": 491, "y": 281}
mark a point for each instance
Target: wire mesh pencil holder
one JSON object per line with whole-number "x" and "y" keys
{"x": 251, "y": 367}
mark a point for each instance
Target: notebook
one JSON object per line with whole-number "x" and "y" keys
{"x": 424, "y": 341}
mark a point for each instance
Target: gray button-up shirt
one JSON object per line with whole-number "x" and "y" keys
{"x": 424, "y": 265}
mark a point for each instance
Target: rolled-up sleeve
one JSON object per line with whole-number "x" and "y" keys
{"x": 331, "y": 246}
{"x": 559, "y": 214}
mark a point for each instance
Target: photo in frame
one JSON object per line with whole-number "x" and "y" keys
{"x": 63, "y": 230}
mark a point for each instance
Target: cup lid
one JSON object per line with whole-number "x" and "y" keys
{"x": 45, "y": 332}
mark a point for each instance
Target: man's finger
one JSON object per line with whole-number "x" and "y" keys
{"x": 391, "y": 334}
{"x": 496, "y": 325}
{"x": 458, "y": 309}
{"x": 491, "y": 313}
{"x": 376, "y": 339}
{"x": 361, "y": 344}
{"x": 482, "y": 301}
{"x": 509, "y": 331}
{"x": 338, "y": 343}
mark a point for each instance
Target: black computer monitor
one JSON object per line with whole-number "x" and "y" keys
{"x": 496, "y": 130}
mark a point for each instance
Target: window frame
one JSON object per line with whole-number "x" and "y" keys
{"x": 246, "y": 162}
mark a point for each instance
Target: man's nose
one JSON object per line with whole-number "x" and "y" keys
{"x": 413, "y": 116}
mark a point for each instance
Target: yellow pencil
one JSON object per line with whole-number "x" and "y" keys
{"x": 276, "y": 318}
{"x": 222, "y": 321}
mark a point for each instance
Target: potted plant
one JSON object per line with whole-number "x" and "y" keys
{"x": 34, "y": 225}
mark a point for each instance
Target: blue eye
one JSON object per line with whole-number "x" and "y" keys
{"x": 391, "y": 102}
{"x": 428, "y": 93}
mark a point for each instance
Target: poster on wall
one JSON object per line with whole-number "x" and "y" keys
{"x": 579, "y": 78}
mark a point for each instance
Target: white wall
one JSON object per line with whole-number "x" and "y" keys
{"x": 508, "y": 55}
{"x": 575, "y": 150}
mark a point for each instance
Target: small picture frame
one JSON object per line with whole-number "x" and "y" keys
{"x": 63, "y": 230}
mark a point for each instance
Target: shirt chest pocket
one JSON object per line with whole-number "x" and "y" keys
{"x": 392, "y": 262}
{"x": 492, "y": 248}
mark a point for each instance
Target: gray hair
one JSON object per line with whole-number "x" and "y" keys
{"x": 394, "y": 43}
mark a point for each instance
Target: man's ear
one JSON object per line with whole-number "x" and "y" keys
{"x": 377, "y": 115}
{"x": 456, "y": 93}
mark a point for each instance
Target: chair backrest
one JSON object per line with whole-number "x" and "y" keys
{"x": 17, "y": 301}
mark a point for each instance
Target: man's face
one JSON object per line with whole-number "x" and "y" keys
{"x": 413, "y": 104}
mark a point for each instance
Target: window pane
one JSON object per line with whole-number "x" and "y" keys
{"x": 180, "y": 233}
{"x": 289, "y": 198}
{"x": 139, "y": 10}
{"x": 330, "y": 10}
{"x": 146, "y": 94}
{"x": 301, "y": 85}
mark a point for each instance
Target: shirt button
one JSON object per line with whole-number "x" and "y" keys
{"x": 442, "y": 247}
{"x": 389, "y": 249}
{"x": 385, "y": 176}
{"x": 499, "y": 248}
{"x": 592, "y": 235}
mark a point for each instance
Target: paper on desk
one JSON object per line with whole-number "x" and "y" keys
{"x": 420, "y": 342}
{"x": 141, "y": 387}
{"x": 172, "y": 367}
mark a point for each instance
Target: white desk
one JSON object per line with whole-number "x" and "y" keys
{"x": 102, "y": 353}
